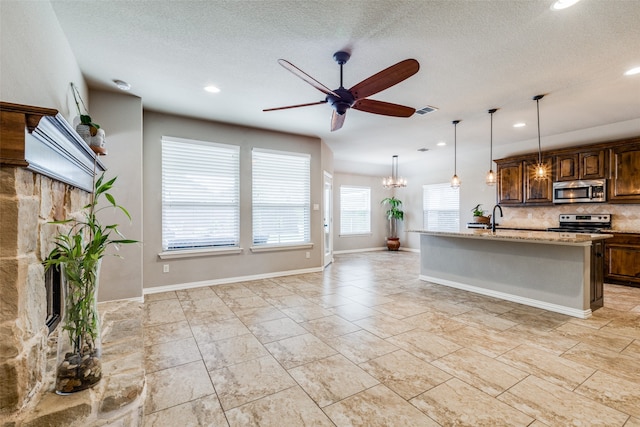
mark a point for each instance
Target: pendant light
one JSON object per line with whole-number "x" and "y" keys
{"x": 491, "y": 175}
{"x": 540, "y": 172}
{"x": 394, "y": 181}
{"x": 455, "y": 181}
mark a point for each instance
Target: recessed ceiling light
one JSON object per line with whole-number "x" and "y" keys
{"x": 563, "y": 4}
{"x": 519, "y": 125}
{"x": 211, "y": 89}
{"x": 632, "y": 71}
{"x": 441, "y": 144}
{"x": 122, "y": 85}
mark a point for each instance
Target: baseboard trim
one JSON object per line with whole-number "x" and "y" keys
{"x": 227, "y": 280}
{"x": 353, "y": 251}
{"x": 574, "y": 312}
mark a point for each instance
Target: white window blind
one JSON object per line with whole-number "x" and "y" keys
{"x": 200, "y": 194}
{"x": 281, "y": 197}
{"x": 355, "y": 210}
{"x": 441, "y": 207}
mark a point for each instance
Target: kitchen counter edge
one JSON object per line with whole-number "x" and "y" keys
{"x": 547, "y": 237}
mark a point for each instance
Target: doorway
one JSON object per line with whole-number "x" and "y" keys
{"x": 328, "y": 218}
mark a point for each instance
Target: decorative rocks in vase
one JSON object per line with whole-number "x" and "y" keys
{"x": 78, "y": 364}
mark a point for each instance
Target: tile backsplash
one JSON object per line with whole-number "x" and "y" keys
{"x": 625, "y": 217}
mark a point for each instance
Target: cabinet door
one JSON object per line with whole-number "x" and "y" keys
{"x": 625, "y": 174}
{"x": 510, "y": 185}
{"x": 597, "y": 274}
{"x": 567, "y": 167}
{"x": 592, "y": 164}
{"x": 538, "y": 191}
{"x": 622, "y": 259}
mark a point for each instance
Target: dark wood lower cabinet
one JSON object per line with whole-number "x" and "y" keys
{"x": 597, "y": 274}
{"x": 622, "y": 259}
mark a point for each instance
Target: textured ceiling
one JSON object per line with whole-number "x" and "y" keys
{"x": 473, "y": 55}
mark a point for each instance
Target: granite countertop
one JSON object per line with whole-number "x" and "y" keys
{"x": 580, "y": 239}
{"x": 621, "y": 231}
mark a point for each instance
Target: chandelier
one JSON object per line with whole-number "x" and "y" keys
{"x": 394, "y": 181}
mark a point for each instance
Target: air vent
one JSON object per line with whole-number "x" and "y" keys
{"x": 426, "y": 110}
{"x": 422, "y": 150}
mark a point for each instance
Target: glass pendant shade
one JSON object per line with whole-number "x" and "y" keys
{"x": 491, "y": 178}
{"x": 394, "y": 181}
{"x": 540, "y": 172}
{"x": 455, "y": 181}
{"x": 491, "y": 175}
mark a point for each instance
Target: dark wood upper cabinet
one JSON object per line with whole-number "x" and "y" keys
{"x": 538, "y": 191}
{"x": 593, "y": 164}
{"x": 616, "y": 161}
{"x": 567, "y": 167}
{"x": 510, "y": 182}
{"x": 624, "y": 185}
{"x": 590, "y": 164}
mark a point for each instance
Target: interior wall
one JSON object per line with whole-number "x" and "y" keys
{"x": 120, "y": 115}
{"x": 37, "y": 61}
{"x": 379, "y": 223}
{"x": 210, "y": 268}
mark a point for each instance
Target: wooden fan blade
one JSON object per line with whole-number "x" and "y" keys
{"x": 295, "y": 106}
{"x": 306, "y": 77}
{"x": 384, "y": 108}
{"x": 385, "y": 78}
{"x": 337, "y": 120}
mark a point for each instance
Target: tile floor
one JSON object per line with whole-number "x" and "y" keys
{"x": 368, "y": 344}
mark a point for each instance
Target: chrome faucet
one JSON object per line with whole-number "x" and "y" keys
{"x": 493, "y": 217}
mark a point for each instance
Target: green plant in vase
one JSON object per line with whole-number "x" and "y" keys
{"x": 393, "y": 214}
{"x": 78, "y": 253}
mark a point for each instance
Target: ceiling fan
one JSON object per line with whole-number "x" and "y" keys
{"x": 342, "y": 99}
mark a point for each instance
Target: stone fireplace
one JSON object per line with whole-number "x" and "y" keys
{"x": 46, "y": 174}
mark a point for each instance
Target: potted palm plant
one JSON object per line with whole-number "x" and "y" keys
{"x": 393, "y": 214}
{"x": 78, "y": 253}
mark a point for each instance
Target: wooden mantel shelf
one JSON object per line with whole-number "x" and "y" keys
{"x": 41, "y": 140}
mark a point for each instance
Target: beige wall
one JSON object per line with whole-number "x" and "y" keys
{"x": 379, "y": 224}
{"x": 120, "y": 115}
{"x": 217, "y": 268}
{"x": 36, "y": 62}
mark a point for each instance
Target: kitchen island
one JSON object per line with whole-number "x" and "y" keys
{"x": 560, "y": 272}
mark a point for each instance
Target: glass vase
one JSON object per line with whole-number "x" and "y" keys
{"x": 78, "y": 365}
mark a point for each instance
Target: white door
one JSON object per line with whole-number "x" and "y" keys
{"x": 328, "y": 219}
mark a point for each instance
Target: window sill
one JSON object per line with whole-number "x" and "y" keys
{"x": 193, "y": 253}
{"x": 356, "y": 235}
{"x": 288, "y": 247}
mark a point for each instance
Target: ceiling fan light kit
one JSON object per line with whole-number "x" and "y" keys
{"x": 342, "y": 99}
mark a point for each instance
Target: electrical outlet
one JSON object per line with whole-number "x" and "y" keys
{"x": 165, "y": 268}
{"x": 530, "y": 216}
{"x": 308, "y": 255}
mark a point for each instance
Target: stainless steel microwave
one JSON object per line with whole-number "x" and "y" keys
{"x": 584, "y": 191}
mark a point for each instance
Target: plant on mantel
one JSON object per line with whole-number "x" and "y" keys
{"x": 87, "y": 129}
{"x": 78, "y": 253}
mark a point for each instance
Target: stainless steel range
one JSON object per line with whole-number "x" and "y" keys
{"x": 580, "y": 223}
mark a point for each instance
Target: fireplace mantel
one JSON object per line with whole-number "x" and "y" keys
{"x": 41, "y": 140}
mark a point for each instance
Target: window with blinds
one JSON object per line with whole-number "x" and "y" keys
{"x": 441, "y": 207}
{"x": 200, "y": 194}
{"x": 281, "y": 197}
{"x": 355, "y": 210}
